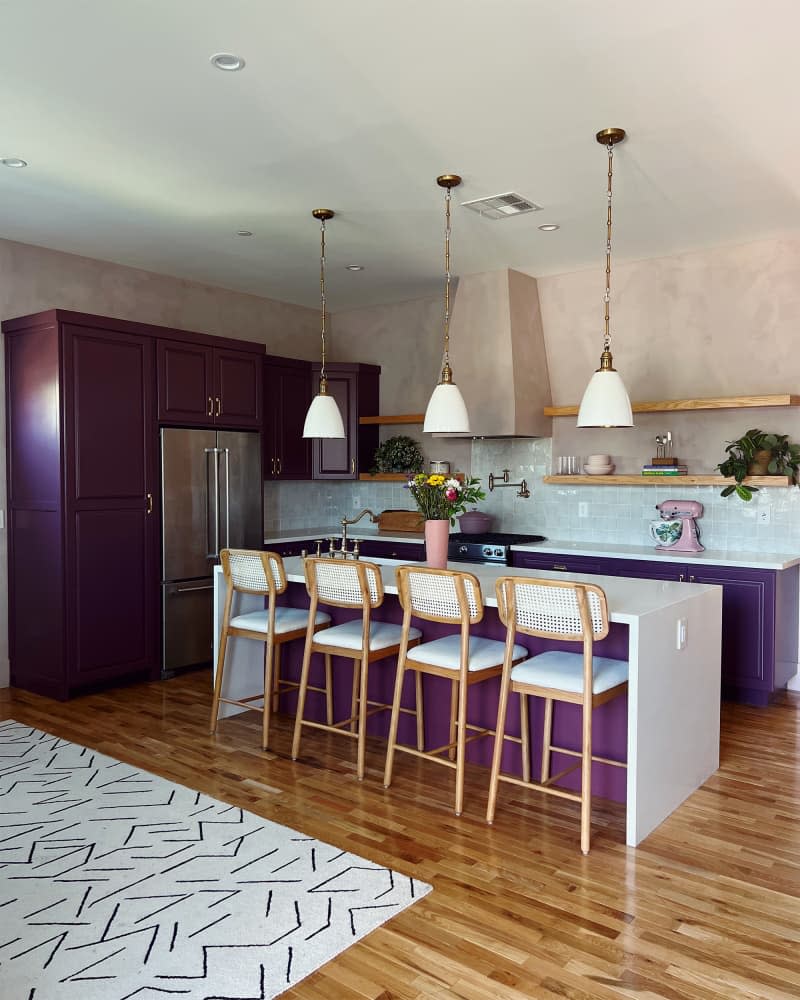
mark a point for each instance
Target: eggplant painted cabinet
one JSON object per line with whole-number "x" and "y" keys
{"x": 83, "y": 498}
{"x": 759, "y": 614}
{"x": 356, "y": 391}
{"x": 287, "y": 396}
{"x": 204, "y": 386}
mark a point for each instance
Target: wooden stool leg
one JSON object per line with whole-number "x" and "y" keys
{"x": 301, "y": 696}
{"x": 419, "y": 711}
{"x": 398, "y": 692}
{"x": 586, "y": 778}
{"x": 354, "y": 699}
{"x": 328, "y": 689}
{"x": 223, "y": 645}
{"x": 269, "y": 651}
{"x": 500, "y": 729}
{"x": 451, "y": 753}
{"x": 461, "y": 748}
{"x": 362, "y": 718}
{"x": 524, "y": 730}
{"x": 276, "y": 678}
{"x": 547, "y": 738}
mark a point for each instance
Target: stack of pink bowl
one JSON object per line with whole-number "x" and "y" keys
{"x": 598, "y": 465}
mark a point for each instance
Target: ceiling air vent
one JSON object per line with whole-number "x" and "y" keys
{"x": 502, "y": 206}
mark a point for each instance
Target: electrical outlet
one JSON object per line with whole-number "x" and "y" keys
{"x": 583, "y": 509}
{"x": 2, "y": 519}
{"x": 764, "y": 515}
{"x": 680, "y": 634}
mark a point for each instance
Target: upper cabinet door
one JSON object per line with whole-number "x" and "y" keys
{"x": 237, "y": 389}
{"x": 336, "y": 458}
{"x": 185, "y": 384}
{"x": 290, "y": 397}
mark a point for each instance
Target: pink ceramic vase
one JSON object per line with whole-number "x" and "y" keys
{"x": 436, "y": 537}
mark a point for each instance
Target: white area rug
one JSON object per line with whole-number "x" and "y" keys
{"x": 115, "y": 883}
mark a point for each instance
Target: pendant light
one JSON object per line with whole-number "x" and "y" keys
{"x": 605, "y": 402}
{"x": 446, "y": 413}
{"x": 323, "y": 419}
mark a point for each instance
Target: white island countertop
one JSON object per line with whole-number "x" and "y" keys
{"x": 554, "y": 546}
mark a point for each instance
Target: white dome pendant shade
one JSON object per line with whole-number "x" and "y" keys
{"x": 323, "y": 419}
{"x": 605, "y": 402}
{"x": 447, "y": 411}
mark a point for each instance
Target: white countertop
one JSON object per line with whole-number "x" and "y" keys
{"x": 608, "y": 550}
{"x": 628, "y": 600}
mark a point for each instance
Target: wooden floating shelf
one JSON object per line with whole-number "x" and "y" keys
{"x": 671, "y": 405}
{"x": 398, "y": 418}
{"x": 383, "y": 477}
{"x": 676, "y": 481}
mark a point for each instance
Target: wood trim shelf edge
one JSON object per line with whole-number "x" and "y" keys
{"x": 383, "y": 477}
{"x": 677, "y": 481}
{"x": 397, "y": 418}
{"x": 712, "y": 403}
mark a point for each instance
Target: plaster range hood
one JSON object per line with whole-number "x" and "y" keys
{"x": 498, "y": 355}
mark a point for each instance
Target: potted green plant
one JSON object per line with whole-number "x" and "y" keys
{"x": 398, "y": 454}
{"x": 757, "y": 453}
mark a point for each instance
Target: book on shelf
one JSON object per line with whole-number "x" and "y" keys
{"x": 665, "y": 468}
{"x": 678, "y": 470}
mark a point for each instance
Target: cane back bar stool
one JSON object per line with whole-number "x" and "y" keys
{"x": 348, "y": 584}
{"x": 261, "y": 574}
{"x": 441, "y": 595}
{"x": 569, "y": 612}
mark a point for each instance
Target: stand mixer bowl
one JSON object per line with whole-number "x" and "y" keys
{"x": 686, "y": 512}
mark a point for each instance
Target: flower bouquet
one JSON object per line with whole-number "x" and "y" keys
{"x": 440, "y": 498}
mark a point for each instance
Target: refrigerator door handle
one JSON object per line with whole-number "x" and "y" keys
{"x": 226, "y": 452}
{"x": 212, "y": 509}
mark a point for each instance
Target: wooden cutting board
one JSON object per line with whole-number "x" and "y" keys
{"x": 401, "y": 520}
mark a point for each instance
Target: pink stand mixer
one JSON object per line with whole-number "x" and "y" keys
{"x": 686, "y": 512}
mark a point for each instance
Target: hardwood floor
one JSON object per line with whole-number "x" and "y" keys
{"x": 708, "y": 906}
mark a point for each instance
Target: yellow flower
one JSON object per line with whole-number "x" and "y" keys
{"x": 436, "y": 480}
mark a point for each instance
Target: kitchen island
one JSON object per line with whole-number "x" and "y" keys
{"x": 669, "y": 734}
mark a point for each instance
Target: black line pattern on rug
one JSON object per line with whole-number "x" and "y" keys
{"x": 115, "y": 884}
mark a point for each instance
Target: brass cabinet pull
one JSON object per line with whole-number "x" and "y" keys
{"x": 353, "y": 465}
{"x": 560, "y": 566}
{"x": 210, "y": 407}
{"x": 219, "y": 407}
{"x": 681, "y": 578}
{"x": 149, "y": 503}
{"x": 273, "y": 466}
{"x": 280, "y": 467}
{"x": 691, "y": 579}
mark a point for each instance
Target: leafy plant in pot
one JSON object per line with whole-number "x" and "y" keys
{"x": 398, "y": 454}
{"x": 757, "y": 453}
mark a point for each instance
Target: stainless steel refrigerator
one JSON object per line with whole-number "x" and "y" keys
{"x": 211, "y": 499}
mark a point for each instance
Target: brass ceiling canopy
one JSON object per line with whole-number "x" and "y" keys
{"x": 610, "y": 136}
{"x": 323, "y": 213}
{"x": 448, "y": 180}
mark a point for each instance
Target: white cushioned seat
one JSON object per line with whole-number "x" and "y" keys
{"x": 446, "y": 652}
{"x": 564, "y": 671}
{"x": 286, "y": 620}
{"x": 348, "y": 636}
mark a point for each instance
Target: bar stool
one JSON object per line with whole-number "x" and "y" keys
{"x": 349, "y": 584}
{"x": 262, "y": 574}
{"x": 568, "y": 612}
{"x": 442, "y": 595}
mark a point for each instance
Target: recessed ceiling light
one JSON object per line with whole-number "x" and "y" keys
{"x": 549, "y": 228}
{"x": 354, "y": 267}
{"x": 13, "y": 161}
{"x": 228, "y": 62}
{"x": 243, "y": 232}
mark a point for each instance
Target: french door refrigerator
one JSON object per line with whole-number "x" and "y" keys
{"x": 211, "y": 499}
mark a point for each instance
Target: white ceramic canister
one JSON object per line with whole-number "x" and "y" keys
{"x": 442, "y": 468}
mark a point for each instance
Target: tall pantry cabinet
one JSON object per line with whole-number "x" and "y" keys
{"x": 83, "y": 525}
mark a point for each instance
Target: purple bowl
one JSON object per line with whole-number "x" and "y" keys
{"x": 473, "y": 522}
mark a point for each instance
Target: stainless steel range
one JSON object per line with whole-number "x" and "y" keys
{"x": 487, "y": 546}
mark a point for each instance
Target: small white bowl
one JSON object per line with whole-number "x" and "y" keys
{"x": 598, "y": 460}
{"x": 598, "y": 470}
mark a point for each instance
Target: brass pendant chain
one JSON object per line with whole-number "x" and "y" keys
{"x": 607, "y": 296}
{"x": 447, "y": 279}
{"x": 322, "y": 292}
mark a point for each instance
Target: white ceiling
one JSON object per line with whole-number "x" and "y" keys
{"x": 141, "y": 152}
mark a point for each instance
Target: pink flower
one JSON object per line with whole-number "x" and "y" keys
{"x": 450, "y": 494}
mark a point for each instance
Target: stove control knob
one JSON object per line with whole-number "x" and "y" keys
{"x": 486, "y": 551}
{"x": 463, "y": 549}
{"x": 498, "y": 552}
